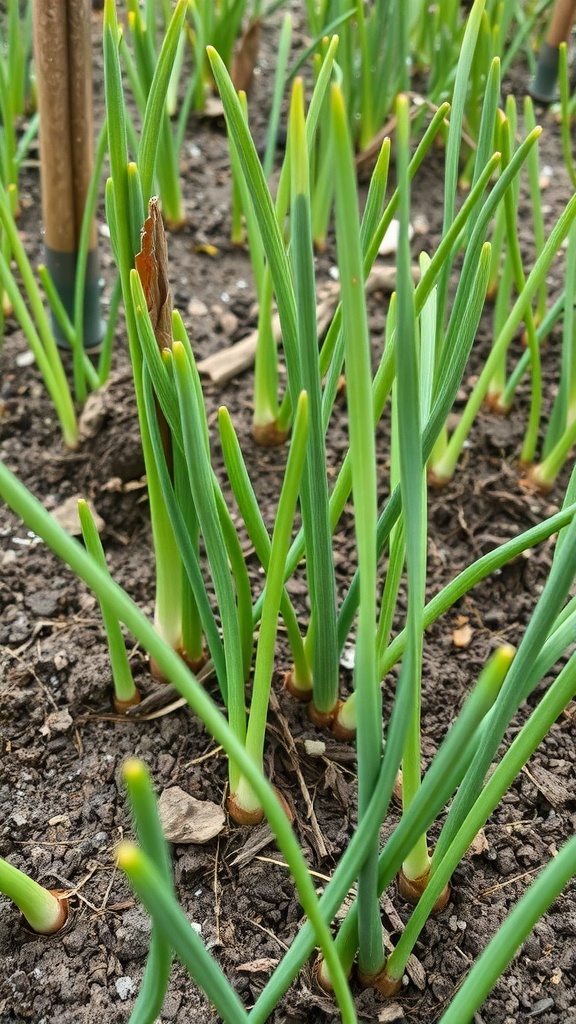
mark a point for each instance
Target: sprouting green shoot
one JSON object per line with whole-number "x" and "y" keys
{"x": 46, "y": 912}
{"x": 125, "y": 692}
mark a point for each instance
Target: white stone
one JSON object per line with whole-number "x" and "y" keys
{"x": 125, "y": 987}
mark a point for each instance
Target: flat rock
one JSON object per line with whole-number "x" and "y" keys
{"x": 187, "y": 820}
{"x": 66, "y": 515}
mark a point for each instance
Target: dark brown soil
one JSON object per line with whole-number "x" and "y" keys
{"x": 63, "y": 805}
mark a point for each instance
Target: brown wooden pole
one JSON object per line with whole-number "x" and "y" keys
{"x": 63, "y": 57}
{"x": 80, "y": 98}
{"x": 561, "y": 22}
{"x": 51, "y": 60}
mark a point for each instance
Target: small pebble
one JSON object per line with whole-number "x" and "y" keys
{"x": 25, "y": 358}
{"x": 197, "y": 308}
{"x": 229, "y": 324}
{"x": 125, "y": 987}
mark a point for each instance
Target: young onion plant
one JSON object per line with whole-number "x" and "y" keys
{"x": 476, "y": 212}
{"x": 44, "y": 910}
{"x": 16, "y": 94}
{"x": 493, "y": 384}
{"x": 443, "y": 466}
{"x": 186, "y": 501}
{"x": 560, "y": 433}
{"x": 272, "y": 419}
{"x": 28, "y": 306}
{"x": 147, "y": 28}
{"x": 318, "y": 682}
{"x": 192, "y": 502}
{"x": 149, "y": 878}
{"x": 374, "y": 57}
{"x": 457, "y": 340}
{"x": 473, "y": 736}
{"x": 419, "y": 366}
{"x": 381, "y": 45}
{"x": 293, "y": 279}
{"x": 128, "y": 189}
{"x": 218, "y": 24}
{"x": 125, "y": 693}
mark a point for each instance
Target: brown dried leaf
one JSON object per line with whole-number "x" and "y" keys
{"x": 152, "y": 266}
{"x": 245, "y": 57}
{"x": 258, "y": 839}
{"x": 187, "y": 820}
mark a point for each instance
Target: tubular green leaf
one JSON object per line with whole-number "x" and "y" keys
{"x": 314, "y": 491}
{"x": 150, "y": 886}
{"x": 149, "y": 831}
{"x": 363, "y": 458}
{"x": 123, "y": 683}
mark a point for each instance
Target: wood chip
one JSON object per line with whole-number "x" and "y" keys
{"x": 416, "y": 972}
{"x": 462, "y": 637}
{"x": 414, "y": 968}
{"x": 265, "y": 963}
{"x": 258, "y": 839}
{"x": 541, "y": 1006}
{"x": 549, "y": 785}
{"x": 390, "y": 1013}
{"x": 93, "y": 415}
{"x": 187, "y": 820}
{"x": 478, "y": 845}
{"x": 229, "y": 362}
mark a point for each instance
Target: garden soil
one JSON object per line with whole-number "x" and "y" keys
{"x": 63, "y": 808}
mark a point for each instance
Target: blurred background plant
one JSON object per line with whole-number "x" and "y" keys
{"x": 16, "y": 100}
{"x": 19, "y": 121}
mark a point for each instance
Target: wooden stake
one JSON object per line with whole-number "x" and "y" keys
{"x": 80, "y": 94}
{"x": 51, "y": 59}
{"x": 63, "y": 57}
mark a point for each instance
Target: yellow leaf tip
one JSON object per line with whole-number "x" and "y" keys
{"x": 133, "y": 769}
{"x": 127, "y": 855}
